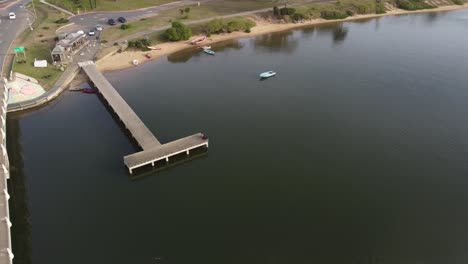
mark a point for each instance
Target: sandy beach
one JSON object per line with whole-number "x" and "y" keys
{"x": 124, "y": 60}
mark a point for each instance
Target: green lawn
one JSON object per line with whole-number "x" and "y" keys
{"x": 39, "y": 43}
{"x": 106, "y": 5}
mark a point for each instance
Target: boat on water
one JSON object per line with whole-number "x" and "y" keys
{"x": 88, "y": 90}
{"x": 206, "y": 47}
{"x": 267, "y": 74}
{"x": 208, "y": 51}
{"x": 153, "y": 48}
{"x": 198, "y": 40}
{"x": 148, "y": 55}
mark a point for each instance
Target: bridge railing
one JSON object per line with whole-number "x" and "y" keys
{"x": 6, "y": 253}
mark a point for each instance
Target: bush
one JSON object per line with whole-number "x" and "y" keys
{"x": 217, "y": 26}
{"x": 362, "y": 9}
{"x": 380, "y": 9}
{"x": 349, "y": 12}
{"x": 298, "y": 17}
{"x": 214, "y": 26}
{"x": 333, "y": 15}
{"x": 287, "y": 11}
{"x": 413, "y": 4}
{"x": 139, "y": 44}
{"x": 62, "y": 21}
{"x": 178, "y": 31}
{"x": 45, "y": 28}
{"x": 276, "y": 11}
{"x": 459, "y": 2}
{"x": 125, "y": 26}
{"x": 248, "y": 30}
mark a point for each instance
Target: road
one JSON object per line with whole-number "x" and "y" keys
{"x": 10, "y": 29}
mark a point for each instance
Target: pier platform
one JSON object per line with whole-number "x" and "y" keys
{"x": 164, "y": 152}
{"x": 152, "y": 149}
{"x": 132, "y": 122}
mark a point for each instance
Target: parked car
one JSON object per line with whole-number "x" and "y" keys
{"x": 92, "y": 32}
{"x": 12, "y": 15}
{"x": 98, "y": 27}
{"x": 122, "y": 20}
{"x": 111, "y": 22}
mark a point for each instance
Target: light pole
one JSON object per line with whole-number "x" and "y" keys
{"x": 34, "y": 8}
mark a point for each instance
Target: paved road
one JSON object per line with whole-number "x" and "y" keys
{"x": 9, "y": 29}
{"x": 88, "y": 21}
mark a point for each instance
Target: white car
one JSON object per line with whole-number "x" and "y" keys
{"x": 98, "y": 27}
{"x": 12, "y": 15}
{"x": 91, "y": 33}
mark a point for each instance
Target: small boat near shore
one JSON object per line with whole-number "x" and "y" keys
{"x": 198, "y": 40}
{"x": 89, "y": 90}
{"x": 135, "y": 62}
{"x": 208, "y": 51}
{"x": 206, "y": 47}
{"x": 153, "y": 48}
{"x": 267, "y": 74}
{"x": 148, "y": 55}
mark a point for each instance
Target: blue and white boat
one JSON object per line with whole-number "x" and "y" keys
{"x": 208, "y": 51}
{"x": 267, "y": 74}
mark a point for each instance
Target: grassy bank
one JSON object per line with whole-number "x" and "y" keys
{"x": 106, "y": 5}
{"x": 346, "y": 8}
{"x": 39, "y": 43}
{"x": 205, "y": 10}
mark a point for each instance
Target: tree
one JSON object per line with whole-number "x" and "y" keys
{"x": 187, "y": 10}
{"x": 276, "y": 11}
{"x": 214, "y": 26}
{"x": 181, "y": 11}
{"x": 178, "y": 31}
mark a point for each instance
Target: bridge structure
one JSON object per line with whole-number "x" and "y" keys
{"x": 6, "y": 253}
{"x": 152, "y": 150}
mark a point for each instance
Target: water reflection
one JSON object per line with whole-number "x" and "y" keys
{"x": 187, "y": 54}
{"x": 339, "y": 34}
{"x": 432, "y": 17}
{"x": 336, "y": 30}
{"x": 183, "y": 55}
{"x": 284, "y": 42}
{"x": 19, "y": 202}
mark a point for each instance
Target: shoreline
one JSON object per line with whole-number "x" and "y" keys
{"x": 123, "y": 60}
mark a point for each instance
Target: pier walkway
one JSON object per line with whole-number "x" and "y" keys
{"x": 6, "y": 254}
{"x": 153, "y": 150}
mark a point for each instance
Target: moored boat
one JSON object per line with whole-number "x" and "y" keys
{"x": 89, "y": 90}
{"x": 153, "y": 48}
{"x": 208, "y": 51}
{"x": 206, "y": 47}
{"x": 198, "y": 40}
{"x": 267, "y": 74}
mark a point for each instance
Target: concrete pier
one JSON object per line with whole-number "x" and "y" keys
{"x": 6, "y": 254}
{"x": 153, "y": 150}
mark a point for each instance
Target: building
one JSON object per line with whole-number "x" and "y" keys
{"x": 67, "y": 46}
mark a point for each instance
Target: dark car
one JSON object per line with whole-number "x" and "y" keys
{"x": 111, "y": 22}
{"x": 122, "y": 20}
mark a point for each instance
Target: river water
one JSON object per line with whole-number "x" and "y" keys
{"x": 356, "y": 152}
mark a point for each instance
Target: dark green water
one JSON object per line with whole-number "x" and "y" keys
{"x": 355, "y": 153}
